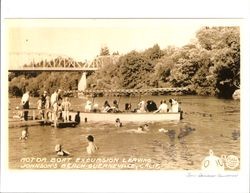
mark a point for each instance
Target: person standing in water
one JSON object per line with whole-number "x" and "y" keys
{"x": 66, "y": 106}
{"x": 78, "y": 118}
{"x": 54, "y": 99}
{"x": 25, "y": 104}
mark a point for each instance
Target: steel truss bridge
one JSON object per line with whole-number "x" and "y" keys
{"x": 52, "y": 62}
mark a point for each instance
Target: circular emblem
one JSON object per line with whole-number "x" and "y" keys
{"x": 232, "y": 162}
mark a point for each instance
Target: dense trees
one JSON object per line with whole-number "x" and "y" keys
{"x": 210, "y": 65}
{"x": 49, "y": 81}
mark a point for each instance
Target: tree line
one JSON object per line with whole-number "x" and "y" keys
{"x": 208, "y": 65}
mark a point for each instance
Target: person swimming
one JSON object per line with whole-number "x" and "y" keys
{"x": 185, "y": 131}
{"x": 24, "y": 134}
{"x": 170, "y": 132}
{"x": 145, "y": 127}
{"x": 60, "y": 152}
{"x": 235, "y": 134}
{"x": 91, "y": 145}
{"x": 139, "y": 130}
{"x": 118, "y": 123}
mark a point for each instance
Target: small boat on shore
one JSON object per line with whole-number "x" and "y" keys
{"x": 128, "y": 117}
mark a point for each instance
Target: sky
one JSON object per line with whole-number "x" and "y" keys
{"x": 82, "y": 39}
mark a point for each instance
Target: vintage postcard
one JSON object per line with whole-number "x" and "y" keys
{"x": 113, "y": 95}
{"x": 123, "y": 94}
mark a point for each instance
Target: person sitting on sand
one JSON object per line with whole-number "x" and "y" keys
{"x": 118, "y": 123}
{"x": 163, "y": 108}
{"x": 60, "y": 152}
{"x": 24, "y": 134}
{"x": 91, "y": 145}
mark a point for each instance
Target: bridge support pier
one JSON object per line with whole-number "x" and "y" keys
{"x": 82, "y": 84}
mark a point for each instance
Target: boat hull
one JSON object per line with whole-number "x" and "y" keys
{"x": 128, "y": 117}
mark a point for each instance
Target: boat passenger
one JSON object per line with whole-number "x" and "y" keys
{"x": 24, "y": 134}
{"x": 106, "y": 107}
{"x": 174, "y": 106}
{"x": 25, "y": 104}
{"x": 78, "y": 118}
{"x": 163, "y": 108}
{"x": 88, "y": 106}
{"x": 59, "y": 151}
{"x": 115, "y": 107}
{"x": 115, "y": 104}
{"x": 128, "y": 106}
{"x": 141, "y": 107}
{"x": 96, "y": 108}
{"x": 118, "y": 123}
{"x": 91, "y": 145}
{"x": 151, "y": 106}
{"x": 66, "y": 106}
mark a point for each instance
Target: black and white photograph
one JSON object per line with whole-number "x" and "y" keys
{"x": 141, "y": 95}
{"x": 123, "y": 94}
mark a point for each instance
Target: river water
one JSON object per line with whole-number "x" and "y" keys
{"x": 214, "y": 120}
